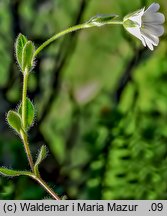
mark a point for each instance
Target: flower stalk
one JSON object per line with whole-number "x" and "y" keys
{"x": 72, "y": 29}
{"x": 60, "y": 34}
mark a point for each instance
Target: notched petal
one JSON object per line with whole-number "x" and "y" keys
{"x": 148, "y": 43}
{"x": 143, "y": 41}
{"x": 153, "y": 39}
{"x": 147, "y": 25}
{"x": 157, "y": 30}
{"x": 154, "y": 18}
{"x": 136, "y": 32}
{"x": 154, "y": 7}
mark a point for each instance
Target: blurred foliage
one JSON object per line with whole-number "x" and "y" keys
{"x": 100, "y": 98}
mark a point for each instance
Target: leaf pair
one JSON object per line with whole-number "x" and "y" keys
{"x": 12, "y": 173}
{"x": 24, "y": 53}
{"x": 14, "y": 118}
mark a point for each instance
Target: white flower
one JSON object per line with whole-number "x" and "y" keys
{"x": 146, "y": 25}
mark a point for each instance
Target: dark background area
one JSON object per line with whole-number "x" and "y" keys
{"x": 100, "y": 99}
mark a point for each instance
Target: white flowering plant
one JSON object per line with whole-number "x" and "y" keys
{"x": 146, "y": 25}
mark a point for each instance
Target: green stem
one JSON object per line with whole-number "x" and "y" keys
{"x": 24, "y": 137}
{"x": 115, "y": 22}
{"x": 24, "y": 96}
{"x": 37, "y": 178}
{"x": 27, "y": 149}
{"x": 46, "y": 187}
{"x": 60, "y": 34}
{"x": 22, "y": 132}
{"x": 66, "y": 31}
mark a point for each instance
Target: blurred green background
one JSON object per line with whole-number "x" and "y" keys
{"x": 100, "y": 98}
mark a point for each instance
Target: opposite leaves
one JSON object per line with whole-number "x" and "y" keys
{"x": 24, "y": 53}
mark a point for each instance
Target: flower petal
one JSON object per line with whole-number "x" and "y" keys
{"x": 157, "y": 30}
{"x": 135, "y": 13}
{"x": 154, "y": 18}
{"x": 137, "y": 17}
{"x": 143, "y": 41}
{"x": 136, "y": 32}
{"x": 146, "y": 25}
{"x": 148, "y": 43}
{"x": 154, "y": 7}
{"x": 153, "y": 39}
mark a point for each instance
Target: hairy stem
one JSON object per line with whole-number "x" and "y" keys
{"x": 37, "y": 178}
{"x": 22, "y": 132}
{"x": 24, "y": 95}
{"x": 24, "y": 137}
{"x": 46, "y": 187}
{"x": 27, "y": 149}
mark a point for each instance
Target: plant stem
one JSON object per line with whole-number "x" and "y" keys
{"x": 56, "y": 36}
{"x": 24, "y": 137}
{"x": 24, "y": 95}
{"x": 27, "y": 149}
{"x": 46, "y": 187}
{"x": 71, "y": 29}
{"x": 37, "y": 178}
{"x": 22, "y": 132}
{"x": 115, "y": 22}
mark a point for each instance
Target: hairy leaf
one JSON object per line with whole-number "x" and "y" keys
{"x": 30, "y": 113}
{"x": 12, "y": 173}
{"x": 41, "y": 156}
{"x": 28, "y": 52}
{"x": 14, "y": 120}
{"x": 19, "y": 45}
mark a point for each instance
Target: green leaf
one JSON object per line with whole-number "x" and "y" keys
{"x": 13, "y": 173}
{"x": 27, "y": 56}
{"x": 14, "y": 120}
{"x": 102, "y": 19}
{"x": 19, "y": 45}
{"x": 30, "y": 113}
{"x": 41, "y": 156}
